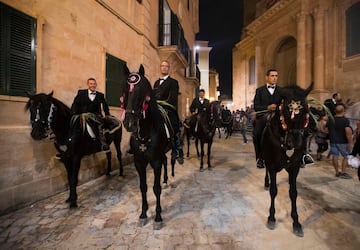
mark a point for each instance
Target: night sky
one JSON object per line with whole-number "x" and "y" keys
{"x": 221, "y": 25}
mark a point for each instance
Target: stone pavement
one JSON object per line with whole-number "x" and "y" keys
{"x": 225, "y": 208}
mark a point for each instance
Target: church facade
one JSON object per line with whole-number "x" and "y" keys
{"x": 306, "y": 41}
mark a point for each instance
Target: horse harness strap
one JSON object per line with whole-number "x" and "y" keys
{"x": 142, "y": 143}
{"x": 164, "y": 114}
{"x": 294, "y": 108}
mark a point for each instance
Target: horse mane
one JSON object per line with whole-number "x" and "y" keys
{"x": 292, "y": 90}
{"x": 62, "y": 107}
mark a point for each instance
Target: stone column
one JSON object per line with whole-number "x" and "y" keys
{"x": 259, "y": 64}
{"x": 301, "y": 50}
{"x": 319, "y": 49}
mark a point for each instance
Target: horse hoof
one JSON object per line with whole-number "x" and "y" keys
{"x": 73, "y": 205}
{"x": 142, "y": 222}
{"x": 165, "y": 185}
{"x": 201, "y": 169}
{"x": 298, "y": 231}
{"x": 271, "y": 225}
{"x": 157, "y": 225}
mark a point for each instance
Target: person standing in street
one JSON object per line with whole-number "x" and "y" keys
{"x": 243, "y": 126}
{"x": 331, "y": 103}
{"x": 166, "y": 90}
{"x": 341, "y": 142}
{"x": 321, "y": 136}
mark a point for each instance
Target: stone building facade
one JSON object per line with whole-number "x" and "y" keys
{"x": 305, "y": 40}
{"x": 68, "y": 42}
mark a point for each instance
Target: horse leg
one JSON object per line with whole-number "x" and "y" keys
{"x": 208, "y": 154}
{"x": 309, "y": 141}
{"x": 297, "y": 228}
{"x": 201, "y": 155}
{"x": 266, "y": 181}
{"x": 141, "y": 169}
{"x": 108, "y": 156}
{"x": 157, "y": 191}
{"x": 188, "y": 142}
{"x": 117, "y": 142}
{"x": 273, "y": 192}
{"x": 219, "y": 133}
{"x": 165, "y": 180}
{"x": 197, "y": 147}
{"x": 67, "y": 164}
{"x": 73, "y": 181}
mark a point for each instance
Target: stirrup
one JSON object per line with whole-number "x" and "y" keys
{"x": 307, "y": 160}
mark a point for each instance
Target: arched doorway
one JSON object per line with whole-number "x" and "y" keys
{"x": 285, "y": 61}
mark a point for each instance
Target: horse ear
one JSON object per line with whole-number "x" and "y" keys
{"x": 51, "y": 94}
{"x": 308, "y": 90}
{"x": 141, "y": 70}
{"x": 126, "y": 70}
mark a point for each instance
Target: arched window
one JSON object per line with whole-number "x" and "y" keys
{"x": 352, "y": 30}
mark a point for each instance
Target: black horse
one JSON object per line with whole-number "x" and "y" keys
{"x": 48, "y": 114}
{"x": 189, "y": 134}
{"x": 205, "y": 129}
{"x": 150, "y": 137}
{"x": 284, "y": 143}
{"x": 227, "y": 125}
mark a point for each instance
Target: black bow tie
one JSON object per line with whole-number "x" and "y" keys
{"x": 271, "y": 87}
{"x": 161, "y": 79}
{"x": 93, "y": 93}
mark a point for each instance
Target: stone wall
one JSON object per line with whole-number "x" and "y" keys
{"x": 72, "y": 40}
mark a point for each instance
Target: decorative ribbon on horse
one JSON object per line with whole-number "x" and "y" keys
{"x": 294, "y": 108}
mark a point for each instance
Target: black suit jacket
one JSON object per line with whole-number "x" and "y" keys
{"x": 167, "y": 91}
{"x": 263, "y": 98}
{"x": 329, "y": 103}
{"x": 196, "y": 104}
{"x": 82, "y": 103}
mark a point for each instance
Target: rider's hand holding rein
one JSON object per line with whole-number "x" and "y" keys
{"x": 272, "y": 107}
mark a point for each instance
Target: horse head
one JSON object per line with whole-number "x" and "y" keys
{"x": 40, "y": 107}
{"x": 294, "y": 115}
{"x": 215, "y": 113}
{"x": 136, "y": 98}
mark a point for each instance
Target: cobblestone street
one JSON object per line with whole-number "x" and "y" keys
{"x": 225, "y": 208}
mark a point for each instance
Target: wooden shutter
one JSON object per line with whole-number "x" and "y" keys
{"x": 18, "y": 55}
{"x": 115, "y": 78}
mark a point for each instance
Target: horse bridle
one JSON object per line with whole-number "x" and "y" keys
{"x": 133, "y": 79}
{"x": 294, "y": 108}
{"x": 46, "y": 123}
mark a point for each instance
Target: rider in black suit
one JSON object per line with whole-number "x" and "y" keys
{"x": 199, "y": 104}
{"x": 92, "y": 101}
{"x": 267, "y": 98}
{"x": 166, "y": 90}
